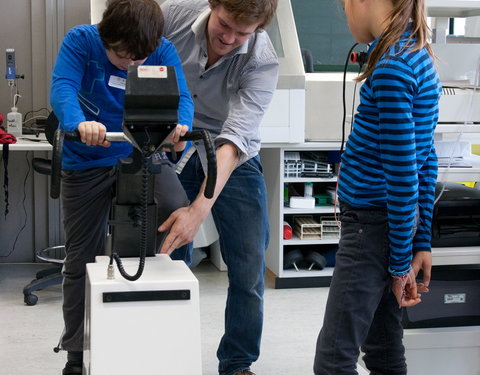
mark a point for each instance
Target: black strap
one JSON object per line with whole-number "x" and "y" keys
{"x": 5, "y": 175}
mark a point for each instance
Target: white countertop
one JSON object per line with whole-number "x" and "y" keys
{"x": 31, "y": 143}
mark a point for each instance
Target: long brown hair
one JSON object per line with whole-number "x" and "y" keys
{"x": 403, "y": 11}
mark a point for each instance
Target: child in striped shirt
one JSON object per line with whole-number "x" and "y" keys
{"x": 386, "y": 192}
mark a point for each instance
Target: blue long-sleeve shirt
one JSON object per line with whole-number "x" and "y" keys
{"x": 87, "y": 87}
{"x": 390, "y": 159}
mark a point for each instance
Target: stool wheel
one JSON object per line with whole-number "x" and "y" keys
{"x": 316, "y": 260}
{"x": 292, "y": 259}
{"x": 30, "y": 299}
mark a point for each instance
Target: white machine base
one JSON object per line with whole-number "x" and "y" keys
{"x": 443, "y": 351}
{"x": 147, "y": 327}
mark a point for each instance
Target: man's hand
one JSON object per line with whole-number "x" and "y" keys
{"x": 185, "y": 222}
{"x": 405, "y": 290}
{"x": 92, "y": 133}
{"x": 183, "y": 225}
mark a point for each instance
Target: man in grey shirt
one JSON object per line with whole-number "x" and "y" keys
{"x": 232, "y": 71}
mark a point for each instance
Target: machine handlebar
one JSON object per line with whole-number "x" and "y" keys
{"x": 205, "y": 136}
{"x": 60, "y": 136}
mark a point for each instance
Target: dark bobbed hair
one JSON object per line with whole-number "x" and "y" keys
{"x": 132, "y": 26}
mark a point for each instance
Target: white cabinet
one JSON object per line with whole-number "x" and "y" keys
{"x": 273, "y": 157}
{"x": 285, "y": 117}
{"x": 273, "y": 161}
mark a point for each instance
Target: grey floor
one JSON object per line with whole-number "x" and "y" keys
{"x": 293, "y": 318}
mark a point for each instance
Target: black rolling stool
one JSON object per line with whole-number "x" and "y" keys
{"x": 55, "y": 254}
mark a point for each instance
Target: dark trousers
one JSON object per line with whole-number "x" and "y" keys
{"x": 361, "y": 310}
{"x": 87, "y": 199}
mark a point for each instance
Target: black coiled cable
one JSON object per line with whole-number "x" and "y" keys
{"x": 144, "y": 228}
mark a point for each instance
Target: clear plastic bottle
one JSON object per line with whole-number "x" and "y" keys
{"x": 14, "y": 122}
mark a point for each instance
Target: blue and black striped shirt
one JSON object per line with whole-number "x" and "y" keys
{"x": 390, "y": 159}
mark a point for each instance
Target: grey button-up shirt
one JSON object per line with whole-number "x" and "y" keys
{"x": 232, "y": 95}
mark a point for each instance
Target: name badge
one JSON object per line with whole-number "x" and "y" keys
{"x": 117, "y": 82}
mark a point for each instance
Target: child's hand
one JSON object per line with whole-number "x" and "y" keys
{"x": 179, "y": 131}
{"x": 422, "y": 260}
{"x": 93, "y": 133}
{"x": 405, "y": 289}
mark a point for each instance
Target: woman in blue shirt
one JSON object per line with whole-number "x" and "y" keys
{"x": 87, "y": 94}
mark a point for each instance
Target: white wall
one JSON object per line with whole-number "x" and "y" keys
{"x": 35, "y": 30}
{"x": 15, "y": 32}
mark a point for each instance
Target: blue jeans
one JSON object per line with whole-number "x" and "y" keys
{"x": 361, "y": 310}
{"x": 241, "y": 218}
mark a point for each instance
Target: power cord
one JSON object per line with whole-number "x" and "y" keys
{"x": 144, "y": 228}
{"x": 36, "y": 127}
{"x": 35, "y": 111}
{"x": 344, "y": 104}
{"x": 352, "y": 57}
{"x": 34, "y": 118}
{"x": 143, "y": 238}
{"x": 353, "y": 101}
{"x": 27, "y": 154}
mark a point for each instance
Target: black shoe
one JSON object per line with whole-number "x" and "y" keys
{"x": 72, "y": 368}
